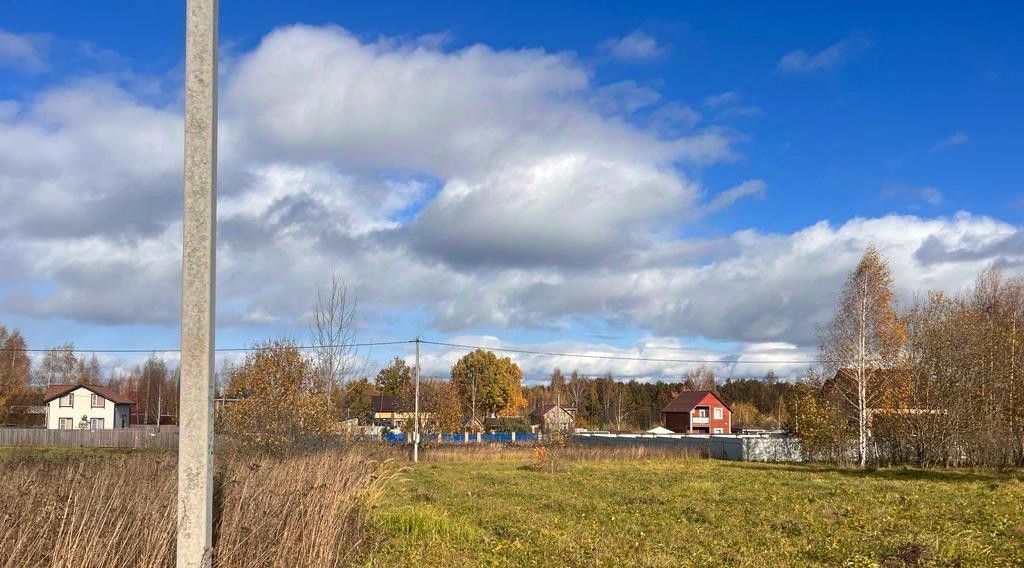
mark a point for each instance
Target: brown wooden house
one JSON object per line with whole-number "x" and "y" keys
{"x": 697, "y": 412}
{"x": 553, "y": 418}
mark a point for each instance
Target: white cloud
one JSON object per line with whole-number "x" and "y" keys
{"x": 479, "y": 188}
{"x": 829, "y": 58}
{"x": 755, "y": 188}
{"x": 595, "y": 359}
{"x": 727, "y": 98}
{"x": 25, "y": 52}
{"x": 955, "y": 139}
{"x": 928, "y": 194}
{"x": 727, "y": 105}
{"x": 637, "y": 46}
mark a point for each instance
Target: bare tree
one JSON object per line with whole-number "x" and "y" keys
{"x": 863, "y": 341}
{"x": 620, "y": 407}
{"x": 59, "y": 365}
{"x": 333, "y": 335}
{"x": 575, "y": 388}
{"x": 701, "y": 378}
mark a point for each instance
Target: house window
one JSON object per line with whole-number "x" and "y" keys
{"x": 67, "y": 401}
{"x": 96, "y": 423}
{"x": 718, "y": 414}
{"x": 718, "y": 430}
{"x": 98, "y": 401}
{"x": 702, "y": 413}
{"x": 65, "y": 424}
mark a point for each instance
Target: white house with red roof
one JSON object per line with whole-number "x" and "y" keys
{"x": 89, "y": 407}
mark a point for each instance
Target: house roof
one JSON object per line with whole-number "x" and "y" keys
{"x": 660, "y": 430}
{"x": 688, "y": 400}
{"x": 384, "y": 403}
{"x": 57, "y": 391}
{"x": 885, "y": 383}
{"x": 542, "y": 410}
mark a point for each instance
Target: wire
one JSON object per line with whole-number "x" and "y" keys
{"x": 219, "y": 349}
{"x": 623, "y": 357}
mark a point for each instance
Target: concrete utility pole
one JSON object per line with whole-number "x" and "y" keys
{"x": 416, "y": 409}
{"x": 195, "y": 442}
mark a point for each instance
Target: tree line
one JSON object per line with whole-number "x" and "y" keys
{"x": 481, "y": 386}
{"x": 940, "y": 381}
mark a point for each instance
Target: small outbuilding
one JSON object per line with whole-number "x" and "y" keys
{"x": 697, "y": 412}
{"x": 553, "y": 418}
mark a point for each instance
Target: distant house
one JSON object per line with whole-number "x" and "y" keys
{"x": 473, "y": 425}
{"x": 92, "y": 407}
{"x": 390, "y": 411}
{"x": 888, "y": 396}
{"x": 697, "y": 412}
{"x": 553, "y": 418}
{"x": 887, "y": 388}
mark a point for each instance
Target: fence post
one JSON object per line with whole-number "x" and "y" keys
{"x": 513, "y": 436}
{"x": 478, "y": 437}
{"x": 465, "y": 437}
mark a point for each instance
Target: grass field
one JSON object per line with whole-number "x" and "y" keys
{"x": 480, "y": 506}
{"x": 696, "y": 512}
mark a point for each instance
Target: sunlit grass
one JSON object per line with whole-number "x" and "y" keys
{"x": 695, "y": 512}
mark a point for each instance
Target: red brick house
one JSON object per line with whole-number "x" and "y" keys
{"x": 697, "y": 412}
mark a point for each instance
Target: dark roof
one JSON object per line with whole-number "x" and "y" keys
{"x": 688, "y": 400}
{"x": 884, "y": 383}
{"x": 542, "y": 410}
{"x": 873, "y": 373}
{"x": 384, "y": 403}
{"x": 57, "y": 391}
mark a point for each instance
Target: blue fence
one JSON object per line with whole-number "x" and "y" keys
{"x": 460, "y": 438}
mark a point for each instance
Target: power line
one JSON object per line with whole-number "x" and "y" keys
{"x": 219, "y": 349}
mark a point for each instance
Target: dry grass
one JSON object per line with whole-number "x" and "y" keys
{"x": 300, "y": 510}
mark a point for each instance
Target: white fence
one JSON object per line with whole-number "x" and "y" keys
{"x": 719, "y": 446}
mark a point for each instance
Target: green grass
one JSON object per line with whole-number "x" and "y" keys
{"x": 697, "y": 513}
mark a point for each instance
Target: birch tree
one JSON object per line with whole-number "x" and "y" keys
{"x": 863, "y": 342}
{"x": 333, "y": 336}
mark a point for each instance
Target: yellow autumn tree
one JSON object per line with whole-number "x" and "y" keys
{"x": 863, "y": 343}
{"x": 275, "y": 403}
{"x": 488, "y": 385}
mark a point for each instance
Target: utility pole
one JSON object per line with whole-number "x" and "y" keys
{"x": 416, "y": 409}
{"x": 159, "y": 404}
{"x": 195, "y": 442}
{"x": 149, "y": 385}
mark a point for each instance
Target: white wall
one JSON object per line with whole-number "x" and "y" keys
{"x": 82, "y": 407}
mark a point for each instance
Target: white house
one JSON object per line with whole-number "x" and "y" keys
{"x": 92, "y": 407}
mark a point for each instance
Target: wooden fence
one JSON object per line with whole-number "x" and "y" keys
{"x": 117, "y": 438}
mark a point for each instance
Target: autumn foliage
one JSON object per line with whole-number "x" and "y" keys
{"x": 488, "y": 385}
{"x": 274, "y": 403}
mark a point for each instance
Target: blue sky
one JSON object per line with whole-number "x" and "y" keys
{"x": 690, "y": 178}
